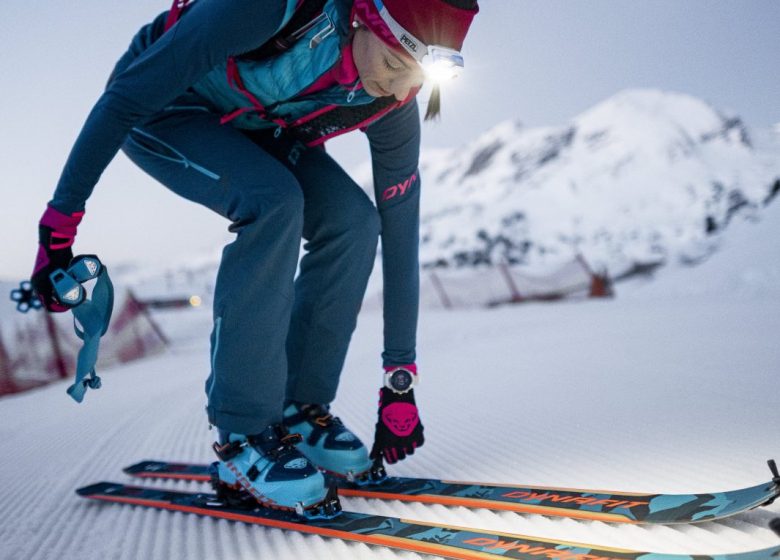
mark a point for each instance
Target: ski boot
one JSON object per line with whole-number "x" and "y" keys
{"x": 267, "y": 469}
{"x": 329, "y": 444}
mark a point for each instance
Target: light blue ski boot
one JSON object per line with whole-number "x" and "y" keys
{"x": 327, "y": 442}
{"x": 270, "y": 468}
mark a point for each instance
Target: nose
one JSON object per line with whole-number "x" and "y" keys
{"x": 400, "y": 88}
{"x": 401, "y": 95}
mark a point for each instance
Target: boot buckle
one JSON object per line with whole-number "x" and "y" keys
{"x": 227, "y": 451}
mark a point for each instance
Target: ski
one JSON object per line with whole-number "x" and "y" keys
{"x": 599, "y": 505}
{"x": 448, "y": 542}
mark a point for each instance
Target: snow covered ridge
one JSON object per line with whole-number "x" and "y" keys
{"x": 645, "y": 176}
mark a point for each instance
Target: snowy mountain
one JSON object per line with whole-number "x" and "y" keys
{"x": 745, "y": 267}
{"x": 644, "y": 176}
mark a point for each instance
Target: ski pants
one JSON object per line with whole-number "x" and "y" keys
{"x": 275, "y": 337}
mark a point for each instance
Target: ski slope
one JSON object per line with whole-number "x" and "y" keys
{"x": 670, "y": 387}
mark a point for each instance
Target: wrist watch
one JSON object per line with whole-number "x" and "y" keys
{"x": 400, "y": 380}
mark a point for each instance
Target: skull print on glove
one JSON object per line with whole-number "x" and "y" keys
{"x": 399, "y": 431}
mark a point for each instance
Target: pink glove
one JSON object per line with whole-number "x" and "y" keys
{"x": 56, "y": 234}
{"x": 399, "y": 431}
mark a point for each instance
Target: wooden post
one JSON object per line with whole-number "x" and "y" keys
{"x": 440, "y": 290}
{"x": 144, "y": 310}
{"x": 7, "y": 383}
{"x": 516, "y": 296}
{"x": 56, "y": 348}
{"x": 600, "y": 286}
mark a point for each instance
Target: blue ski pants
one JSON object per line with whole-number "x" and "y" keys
{"x": 275, "y": 337}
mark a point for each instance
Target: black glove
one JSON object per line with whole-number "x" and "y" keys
{"x": 398, "y": 429}
{"x": 56, "y": 233}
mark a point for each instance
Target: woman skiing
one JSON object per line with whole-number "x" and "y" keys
{"x": 228, "y": 104}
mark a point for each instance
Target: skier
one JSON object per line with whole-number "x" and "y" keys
{"x": 228, "y": 104}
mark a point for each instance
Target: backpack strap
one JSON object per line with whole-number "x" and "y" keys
{"x": 306, "y": 14}
{"x": 175, "y": 12}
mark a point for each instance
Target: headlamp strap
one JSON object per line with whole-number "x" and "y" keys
{"x": 414, "y": 46}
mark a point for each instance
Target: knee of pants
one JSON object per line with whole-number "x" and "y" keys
{"x": 358, "y": 225}
{"x": 365, "y": 224}
{"x": 283, "y": 205}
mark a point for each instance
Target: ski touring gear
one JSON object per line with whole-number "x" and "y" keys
{"x": 270, "y": 469}
{"x": 399, "y": 431}
{"x": 326, "y": 441}
{"x": 441, "y": 64}
{"x": 25, "y": 297}
{"x": 600, "y": 505}
{"x": 56, "y": 234}
{"x": 440, "y": 540}
{"x": 58, "y": 283}
{"x": 91, "y": 315}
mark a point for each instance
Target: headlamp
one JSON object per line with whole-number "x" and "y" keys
{"x": 439, "y": 63}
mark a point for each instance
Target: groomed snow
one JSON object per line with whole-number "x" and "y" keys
{"x": 656, "y": 390}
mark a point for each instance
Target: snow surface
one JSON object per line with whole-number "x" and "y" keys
{"x": 654, "y": 391}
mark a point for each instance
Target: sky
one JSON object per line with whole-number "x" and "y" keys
{"x": 540, "y": 62}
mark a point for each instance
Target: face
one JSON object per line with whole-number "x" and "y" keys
{"x": 384, "y": 71}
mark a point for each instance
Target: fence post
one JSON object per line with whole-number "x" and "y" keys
{"x": 516, "y": 296}
{"x": 600, "y": 283}
{"x": 7, "y": 383}
{"x": 440, "y": 290}
{"x": 143, "y": 309}
{"x": 59, "y": 360}
{"x": 600, "y": 286}
{"x": 580, "y": 259}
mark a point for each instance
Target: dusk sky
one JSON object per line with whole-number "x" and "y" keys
{"x": 540, "y": 62}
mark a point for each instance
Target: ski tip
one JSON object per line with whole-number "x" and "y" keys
{"x": 775, "y": 525}
{"x": 98, "y": 488}
{"x": 775, "y": 473}
{"x": 141, "y": 466}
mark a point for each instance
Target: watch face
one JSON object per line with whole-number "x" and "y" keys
{"x": 401, "y": 380}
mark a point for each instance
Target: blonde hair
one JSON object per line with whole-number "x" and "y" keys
{"x": 433, "y": 112}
